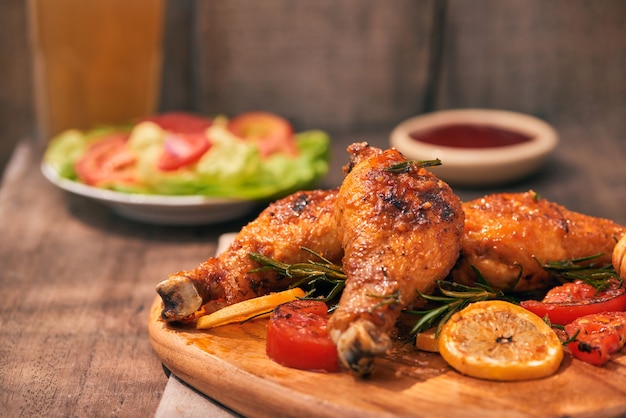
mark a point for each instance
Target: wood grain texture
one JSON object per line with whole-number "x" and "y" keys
{"x": 177, "y": 85}
{"x": 229, "y": 364}
{"x": 77, "y": 282}
{"x": 333, "y": 65}
{"x": 560, "y": 60}
{"x": 16, "y": 108}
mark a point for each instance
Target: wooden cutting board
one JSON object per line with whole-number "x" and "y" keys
{"x": 229, "y": 365}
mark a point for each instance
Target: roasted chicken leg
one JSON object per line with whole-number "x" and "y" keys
{"x": 508, "y": 235}
{"x": 401, "y": 232}
{"x": 303, "y": 219}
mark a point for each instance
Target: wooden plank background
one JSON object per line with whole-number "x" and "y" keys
{"x": 360, "y": 65}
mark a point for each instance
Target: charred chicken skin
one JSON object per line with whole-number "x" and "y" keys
{"x": 303, "y": 219}
{"x": 508, "y": 235}
{"x": 401, "y": 232}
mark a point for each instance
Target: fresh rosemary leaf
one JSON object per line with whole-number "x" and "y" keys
{"x": 451, "y": 298}
{"x": 406, "y": 166}
{"x": 579, "y": 269}
{"x": 311, "y": 274}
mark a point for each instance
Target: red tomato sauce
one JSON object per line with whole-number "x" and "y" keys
{"x": 470, "y": 136}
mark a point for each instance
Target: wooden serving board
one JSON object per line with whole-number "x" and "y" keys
{"x": 229, "y": 365}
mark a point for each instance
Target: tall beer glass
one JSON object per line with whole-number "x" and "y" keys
{"x": 95, "y": 61}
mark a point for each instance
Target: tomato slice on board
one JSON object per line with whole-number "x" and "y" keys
{"x": 297, "y": 336}
{"x": 597, "y": 336}
{"x": 563, "y": 304}
{"x": 180, "y": 150}
{"x": 107, "y": 161}
{"x": 180, "y": 122}
{"x": 272, "y": 133}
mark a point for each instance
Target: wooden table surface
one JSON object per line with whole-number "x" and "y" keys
{"x": 77, "y": 281}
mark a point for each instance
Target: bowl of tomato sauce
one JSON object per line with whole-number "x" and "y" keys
{"x": 477, "y": 147}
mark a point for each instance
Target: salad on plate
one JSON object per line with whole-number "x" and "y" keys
{"x": 254, "y": 155}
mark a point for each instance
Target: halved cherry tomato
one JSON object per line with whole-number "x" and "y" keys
{"x": 180, "y": 150}
{"x": 297, "y": 336}
{"x": 597, "y": 336}
{"x": 107, "y": 161}
{"x": 563, "y": 304}
{"x": 180, "y": 122}
{"x": 186, "y": 141}
{"x": 272, "y": 133}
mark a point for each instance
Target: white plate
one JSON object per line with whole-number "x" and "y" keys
{"x": 157, "y": 209}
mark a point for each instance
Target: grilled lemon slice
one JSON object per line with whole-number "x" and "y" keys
{"x": 498, "y": 340}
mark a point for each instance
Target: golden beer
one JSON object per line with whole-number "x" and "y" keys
{"x": 95, "y": 61}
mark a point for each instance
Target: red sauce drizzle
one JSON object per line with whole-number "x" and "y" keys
{"x": 470, "y": 136}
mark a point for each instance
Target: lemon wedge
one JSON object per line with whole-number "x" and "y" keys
{"x": 427, "y": 340}
{"x": 498, "y": 340}
{"x": 247, "y": 309}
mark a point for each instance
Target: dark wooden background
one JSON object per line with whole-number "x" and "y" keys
{"x": 355, "y": 66}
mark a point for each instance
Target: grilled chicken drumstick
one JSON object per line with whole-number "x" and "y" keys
{"x": 401, "y": 232}
{"x": 303, "y": 219}
{"x": 508, "y": 235}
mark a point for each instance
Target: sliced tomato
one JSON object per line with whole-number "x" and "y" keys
{"x": 272, "y": 133}
{"x": 597, "y": 336}
{"x": 563, "y": 304}
{"x": 180, "y": 150}
{"x": 107, "y": 161}
{"x": 186, "y": 140}
{"x": 180, "y": 122}
{"x": 297, "y": 337}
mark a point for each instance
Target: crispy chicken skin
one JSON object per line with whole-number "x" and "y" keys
{"x": 400, "y": 233}
{"x": 506, "y": 235}
{"x": 303, "y": 219}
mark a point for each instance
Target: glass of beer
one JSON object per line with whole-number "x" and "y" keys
{"x": 96, "y": 62}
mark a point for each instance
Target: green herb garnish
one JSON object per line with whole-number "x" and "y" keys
{"x": 406, "y": 166}
{"x": 450, "y": 298}
{"x": 577, "y": 269}
{"x": 311, "y": 274}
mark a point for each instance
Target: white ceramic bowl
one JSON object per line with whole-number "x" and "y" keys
{"x": 478, "y": 167}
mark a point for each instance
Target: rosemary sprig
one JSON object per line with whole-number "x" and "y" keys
{"x": 577, "y": 269}
{"x": 561, "y": 333}
{"x": 405, "y": 166}
{"x": 309, "y": 274}
{"x": 450, "y": 298}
